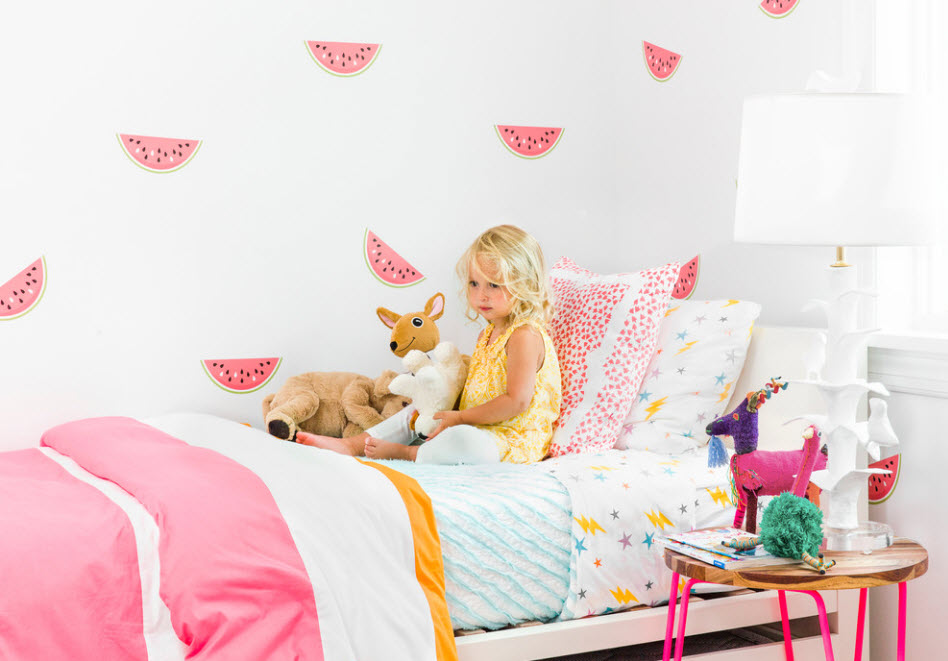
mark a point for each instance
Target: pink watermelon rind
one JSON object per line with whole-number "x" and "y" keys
{"x": 148, "y": 169}
{"x": 649, "y": 69}
{"x": 220, "y": 385}
{"x": 773, "y": 15}
{"x": 895, "y": 479}
{"x": 368, "y": 264}
{"x": 378, "y": 49}
{"x": 38, "y": 298}
{"x": 525, "y": 156}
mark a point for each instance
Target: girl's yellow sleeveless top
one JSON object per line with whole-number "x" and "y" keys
{"x": 526, "y": 437}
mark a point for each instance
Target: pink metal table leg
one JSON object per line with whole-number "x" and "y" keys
{"x": 860, "y": 623}
{"x": 670, "y": 620}
{"x": 683, "y": 618}
{"x": 903, "y": 602}
{"x": 785, "y": 620}
{"x": 824, "y": 622}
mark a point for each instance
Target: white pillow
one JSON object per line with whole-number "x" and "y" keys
{"x": 604, "y": 331}
{"x": 701, "y": 350}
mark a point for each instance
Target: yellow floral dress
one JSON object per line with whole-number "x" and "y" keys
{"x": 526, "y": 437}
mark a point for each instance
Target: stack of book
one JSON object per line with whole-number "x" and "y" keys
{"x": 707, "y": 545}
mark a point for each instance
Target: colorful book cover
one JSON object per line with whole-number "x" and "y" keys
{"x": 759, "y": 558}
{"x": 710, "y": 539}
{"x": 709, "y": 542}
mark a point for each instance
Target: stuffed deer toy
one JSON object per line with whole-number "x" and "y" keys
{"x": 414, "y": 330}
{"x": 762, "y": 472}
{"x": 435, "y": 371}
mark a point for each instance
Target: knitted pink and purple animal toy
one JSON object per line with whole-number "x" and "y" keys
{"x": 761, "y": 472}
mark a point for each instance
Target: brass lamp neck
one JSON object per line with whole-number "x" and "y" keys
{"x": 840, "y": 258}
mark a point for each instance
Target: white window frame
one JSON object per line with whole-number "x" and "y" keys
{"x": 910, "y": 55}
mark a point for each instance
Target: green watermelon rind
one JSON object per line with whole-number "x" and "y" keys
{"x": 147, "y": 169}
{"x": 694, "y": 284}
{"x": 524, "y": 157}
{"x": 784, "y": 15}
{"x": 309, "y": 50}
{"x": 895, "y": 481}
{"x": 241, "y": 392}
{"x": 368, "y": 264}
{"x": 649, "y": 69}
{"x": 36, "y": 300}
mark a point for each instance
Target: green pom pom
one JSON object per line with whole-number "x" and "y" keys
{"x": 790, "y": 526}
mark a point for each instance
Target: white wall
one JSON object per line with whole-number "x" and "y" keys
{"x": 254, "y": 248}
{"x": 914, "y": 370}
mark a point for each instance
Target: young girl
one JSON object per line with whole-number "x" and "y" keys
{"x": 512, "y": 394}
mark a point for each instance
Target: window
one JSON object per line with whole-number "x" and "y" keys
{"x": 910, "y": 55}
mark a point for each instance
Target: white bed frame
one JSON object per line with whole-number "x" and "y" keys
{"x": 773, "y": 352}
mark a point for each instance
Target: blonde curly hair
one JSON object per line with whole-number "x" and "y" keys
{"x": 516, "y": 261}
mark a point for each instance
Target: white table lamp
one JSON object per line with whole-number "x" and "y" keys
{"x": 838, "y": 170}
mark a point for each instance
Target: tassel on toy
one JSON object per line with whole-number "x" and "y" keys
{"x": 717, "y": 455}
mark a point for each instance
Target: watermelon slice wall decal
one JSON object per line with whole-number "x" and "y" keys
{"x": 778, "y": 8}
{"x": 341, "y": 58}
{"x": 241, "y": 375}
{"x": 158, "y": 154}
{"x": 661, "y": 64}
{"x": 529, "y": 141}
{"x": 386, "y": 265}
{"x": 22, "y": 292}
{"x": 687, "y": 278}
{"x": 882, "y": 486}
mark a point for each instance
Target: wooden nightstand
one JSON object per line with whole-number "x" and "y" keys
{"x": 903, "y": 561}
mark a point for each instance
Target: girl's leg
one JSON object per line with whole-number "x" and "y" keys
{"x": 395, "y": 429}
{"x": 463, "y": 444}
{"x": 352, "y": 445}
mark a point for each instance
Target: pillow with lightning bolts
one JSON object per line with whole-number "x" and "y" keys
{"x": 701, "y": 350}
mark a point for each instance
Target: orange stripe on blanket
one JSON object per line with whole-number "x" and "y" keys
{"x": 429, "y": 565}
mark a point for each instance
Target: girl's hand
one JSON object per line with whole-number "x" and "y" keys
{"x": 447, "y": 419}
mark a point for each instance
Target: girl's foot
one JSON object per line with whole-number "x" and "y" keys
{"x": 352, "y": 445}
{"x": 378, "y": 449}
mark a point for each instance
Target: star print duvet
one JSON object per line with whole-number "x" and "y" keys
{"x": 192, "y": 537}
{"x": 568, "y": 537}
{"x": 622, "y": 501}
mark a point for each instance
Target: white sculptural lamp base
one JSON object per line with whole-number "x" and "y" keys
{"x": 867, "y": 537}
{"x": 836, "y": 379}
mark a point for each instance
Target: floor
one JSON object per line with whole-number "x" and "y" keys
{"x": 711, "y": 642}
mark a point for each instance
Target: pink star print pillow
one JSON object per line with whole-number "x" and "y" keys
{"x": 604, "y": 331}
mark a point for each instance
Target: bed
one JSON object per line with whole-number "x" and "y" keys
{"x": 190, "y": 536}
{"x": 767, "y": 356}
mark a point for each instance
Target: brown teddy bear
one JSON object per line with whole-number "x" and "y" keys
{"x": 335, "y": 404}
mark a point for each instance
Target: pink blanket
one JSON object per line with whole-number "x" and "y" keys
{"x": 215, "y": 578}
{"x": 70, "y": 585}
{"x": 121, "y": 541}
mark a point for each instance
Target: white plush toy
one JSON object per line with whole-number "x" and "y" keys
{"x": 433, "y": 383}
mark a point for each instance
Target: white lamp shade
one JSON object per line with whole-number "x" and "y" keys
{"x": 834, "y": 169}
